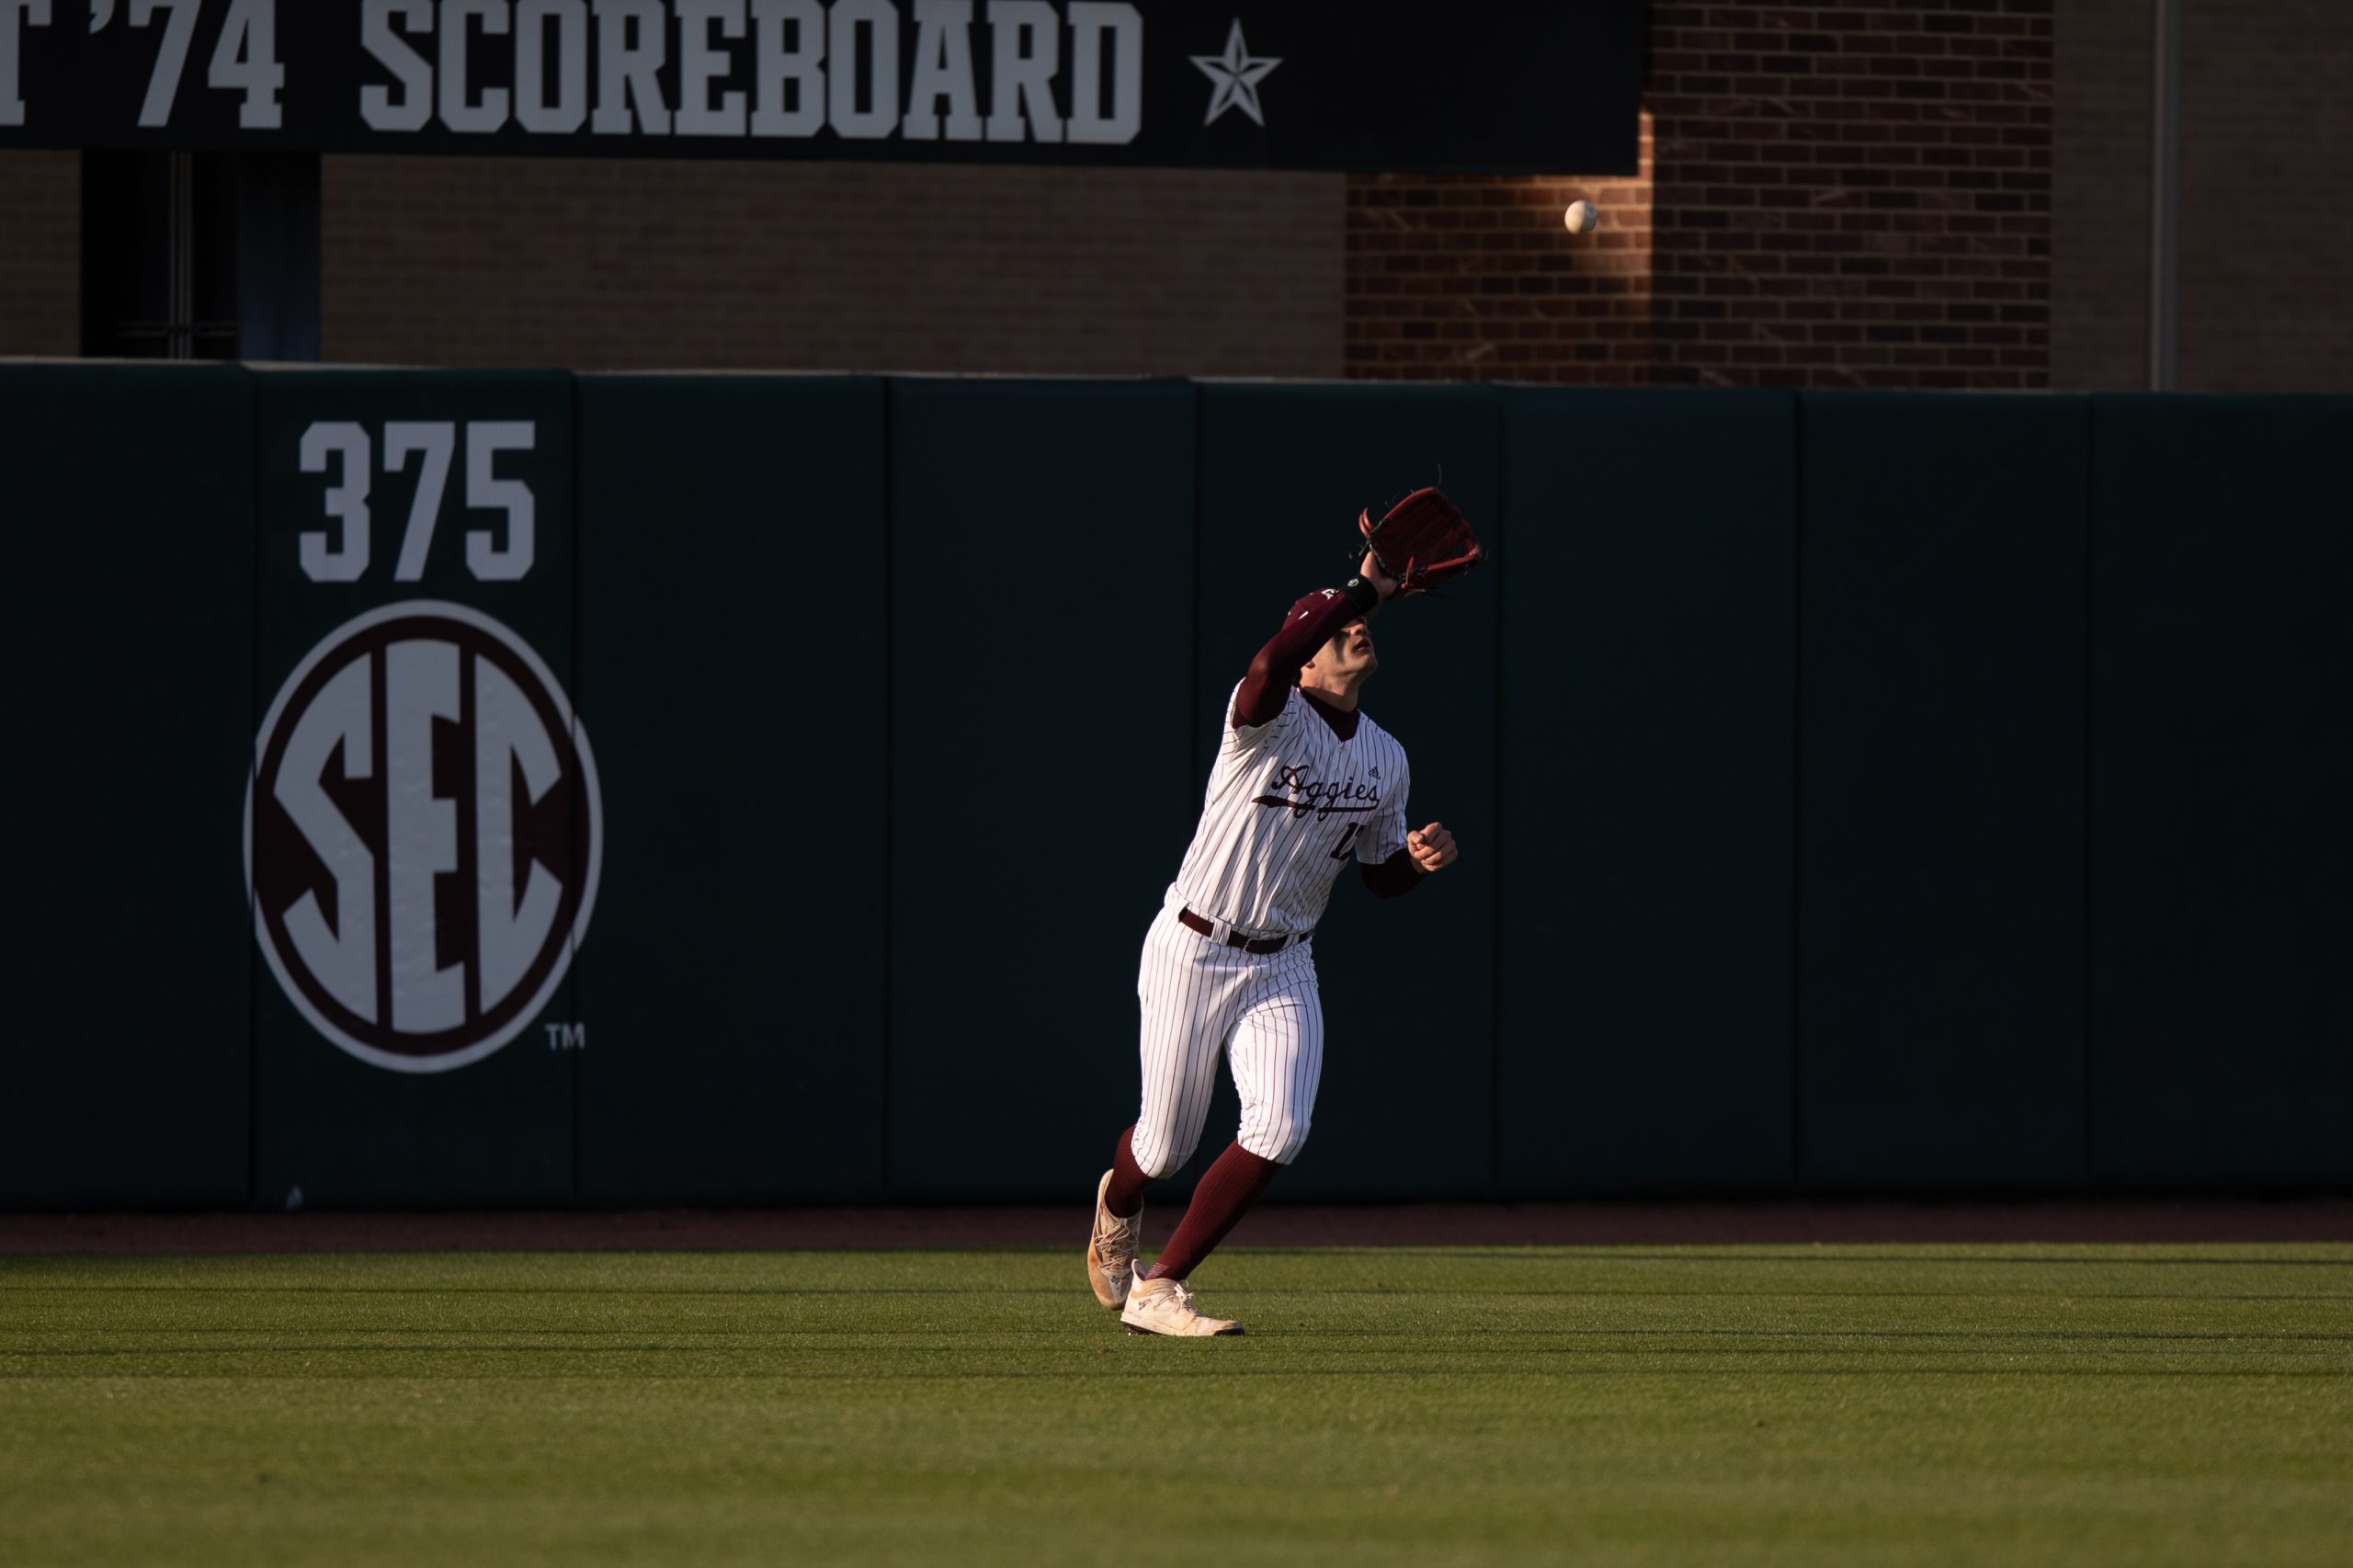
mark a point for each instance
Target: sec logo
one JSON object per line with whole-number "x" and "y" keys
{"x": 422, "y": 835}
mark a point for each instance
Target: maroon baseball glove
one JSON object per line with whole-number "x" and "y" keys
{"x": 1421, "y": 541}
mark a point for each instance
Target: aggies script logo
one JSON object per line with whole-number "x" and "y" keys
{"x": 421, "y": 836}
{"x": 1324, "y": 798}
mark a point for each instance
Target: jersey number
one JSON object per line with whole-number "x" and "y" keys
{"x": 1346, "y": 839}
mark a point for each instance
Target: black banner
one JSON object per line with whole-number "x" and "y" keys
{"x": 1501, "y": 85}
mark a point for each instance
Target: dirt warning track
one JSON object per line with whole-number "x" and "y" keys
{"x": 1423, "y": 1224}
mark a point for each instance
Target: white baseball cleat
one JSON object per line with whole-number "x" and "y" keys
{"x": 1111, "y": 1250}
{"x": 1165, "y": 1306}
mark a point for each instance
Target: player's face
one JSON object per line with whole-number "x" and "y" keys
{"x": 1349, "y": 654}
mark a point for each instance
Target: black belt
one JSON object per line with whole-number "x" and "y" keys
{"x": 1237, "y": 939}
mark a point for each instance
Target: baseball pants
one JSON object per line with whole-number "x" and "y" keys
{"x": 1202, "y": 1000}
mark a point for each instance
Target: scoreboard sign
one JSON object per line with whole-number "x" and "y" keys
{"x": 1474, "y": 84}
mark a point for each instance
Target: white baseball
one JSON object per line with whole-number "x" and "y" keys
{"x": 1581, "y": 218}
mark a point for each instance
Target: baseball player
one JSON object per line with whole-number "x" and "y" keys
{"x": 1303, "y": 781}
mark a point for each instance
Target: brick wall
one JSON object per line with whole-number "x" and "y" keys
{"x": 1860, "y": 194}
{"x": 629, "y": 264}
{"x": 2099, "y": 221}
{"x": 2264, "y": 294}
{"x": 1475, "y": 277}
{"x": 1838, "y": 194}
{"x": 2266, "y": 291}
{"x": 41, "y": 253}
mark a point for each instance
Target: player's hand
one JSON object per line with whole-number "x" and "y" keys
{"x": 1369, "y": 569}
{"x": 1432, "y": 848}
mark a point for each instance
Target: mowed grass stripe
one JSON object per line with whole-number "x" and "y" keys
{"x": 1883, "y": 1405}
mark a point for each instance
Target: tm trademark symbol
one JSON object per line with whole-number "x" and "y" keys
{"x": 566, "y": 1036}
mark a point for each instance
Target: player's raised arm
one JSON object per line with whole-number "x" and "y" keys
{"x": 1312, "y": 622}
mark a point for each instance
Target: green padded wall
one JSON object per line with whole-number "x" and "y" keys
{"x": 1647, "y": 686}
{"x": 1406, "y": 1104}
{"x": 1041, "y": 600}
{"x": 1941, "y": 778}
{"x": 128, "y": 503}
{"x": 1926, "y": 793}
{"x": 2221, "y": 791}
{"x": 334, "y": 1128}
{"x": 732, "y": 606}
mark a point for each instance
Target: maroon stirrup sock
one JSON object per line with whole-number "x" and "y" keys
{"x": 1124, "y": 1197}
{"x": 1235, "y": 1181}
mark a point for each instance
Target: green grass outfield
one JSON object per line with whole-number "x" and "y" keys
{"x": 1800, "y": 1405}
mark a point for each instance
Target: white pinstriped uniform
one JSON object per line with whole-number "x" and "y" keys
{"x": 1288, "y": 801}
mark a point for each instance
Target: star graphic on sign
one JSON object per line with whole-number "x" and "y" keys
{"x": 1237, "y": 77}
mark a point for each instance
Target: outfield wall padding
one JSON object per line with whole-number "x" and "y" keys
{"x": 1407, "y": 1101}
{"x": 1040, "y": 647}
{"x": 2221, "y": 791}
{"x": 733, "y": 609}
{"x": 330, "y": 1128}
{"x": 1940, "y": 722}
{"x": 1856, "y": 792}
{"x": 127, "y": 500}
{"x": 1646, "y": 691}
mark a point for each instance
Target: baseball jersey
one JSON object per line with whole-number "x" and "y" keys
{"x": 1289, "y": 802}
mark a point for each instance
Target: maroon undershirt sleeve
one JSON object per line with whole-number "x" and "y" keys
{"x": 1396, "y": 875}
{"x": 1276, "y": 669}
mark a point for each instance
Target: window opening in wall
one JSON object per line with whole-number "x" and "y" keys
{"x": 199, "y": 255}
